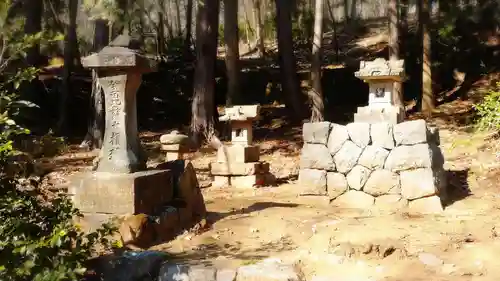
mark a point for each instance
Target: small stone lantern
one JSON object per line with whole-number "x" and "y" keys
{"x": 380, "y": 75}
{"x": 238, "y": 164}
{"x": 174, "y": 145}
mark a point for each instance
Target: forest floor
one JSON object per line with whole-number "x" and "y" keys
{"x": 253, "y": 224}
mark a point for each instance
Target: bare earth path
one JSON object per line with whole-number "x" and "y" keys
{"x": 250, "y": 225}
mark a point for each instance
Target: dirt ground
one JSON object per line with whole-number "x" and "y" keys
{"x": 342, "y": 244}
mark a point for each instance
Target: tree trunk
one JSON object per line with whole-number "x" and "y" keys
{"x": 70, "y": 47}
{"x": 259, "y": 28}
{"x": 178, "y": 17}
{"x": 33, "y": 25}
{"x": 189, "y": 23}
{"x": 427, "y": 94}
{"x": 287, "y": 59}
{"x": 95, "y": 127}
{"x": 394, "y": 49}
{"x": 202, "y": 122}
{"x": 232, "y": 51}
{"x": 318, "y": 106}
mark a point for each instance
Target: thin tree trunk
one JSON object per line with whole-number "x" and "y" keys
{"x": 95, "y": 127}
{"x": 287, "y": 59}
{"x": 160, "y": 34}
{"x": 202, "y": 122}
{"x": 394, "y": 49}
{"x": 232, "y": 51}
{"x": 33, "y": 25}
{"x": 70, "y": 47}
{"x": 189, "y": 23}
{"x": 260, "y": 28}
{"x": 178, "y": 17}
{"x": 334, "y": 27}
{"x": 428, "y": 103}
{"x": 318, "y": 106}
{"x": 248, "y": 30}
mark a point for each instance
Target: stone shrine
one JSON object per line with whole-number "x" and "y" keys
{"x": 380, "y": 76}
{"x": 121, "y": 184}
{"x": 238, "y": 164}
{"x": 175, "y": 145}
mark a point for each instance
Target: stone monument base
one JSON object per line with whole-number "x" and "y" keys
{"x": 109, "y": 193}
{"x": 368, "y": 114}
{"x": 248, "y": 181}
{"x": 238, "y": 154}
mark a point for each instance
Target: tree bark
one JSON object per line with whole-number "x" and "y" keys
{"x": 394, "y": 52}
{"x": 96, "y": 120}
{"x": 33, "y": 25}
{"x": 232, "y": 51}
{"x": 70, "y": 47}
{"x": 316, "y": 95}
{"x": 202, "y": 122}
{"x": 428, "y": 102}
{"x": 260, "y": 28}
{"x": 178, "y": 17}
{"x": 287, "y": 59}
{"x": 189, "y": 23}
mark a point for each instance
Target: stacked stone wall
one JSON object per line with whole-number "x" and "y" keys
{"x": 363, "y": 165}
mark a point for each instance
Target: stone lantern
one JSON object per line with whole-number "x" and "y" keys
{"x": 121, "y": 184}
{"x": 380, "y": 76}
{"x": 238, "y": 164}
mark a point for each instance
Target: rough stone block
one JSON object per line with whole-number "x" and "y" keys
{"x": 338, "y": 136}
{"x": 359, "y": 133}
{"x": 226, "y": 275}
{"x": 238, "y": 154}
{"x": 312, "y": 182}
{"x": 411, "y": 132}
{"x": 357, "y": 177}
{"x": 408, "y": 157}
{"x": 266, "y": 271}
{"x": 239, "y": 169}
{"x": 426, "y": 205}
{"x": 179, "y": 272}
{"x": 373, "y": 157}
{"x": 316, "y": 132}
{"x": 347, "y": 157}
{"x": 417, "y": 183}
{"x": 140, "y": 192}
{"x": 382, "y": 135}
{"x": 168, "y": 224}
{"x": 336, "y": 184}
{"x": 316, "y": 156}
{"x": 382, "y": 182}
{"x": 240, "y": 181}
{"x": 391, "y": 202}
{"x": 376, "y": 115}
{"x": 354, "y": 199}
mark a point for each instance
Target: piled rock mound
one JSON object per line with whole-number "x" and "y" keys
{"x": 360, "y": 165}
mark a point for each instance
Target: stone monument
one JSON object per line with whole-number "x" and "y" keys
{"x": 175, "y": 145}
{"x": 238, "y": 164}
{"x": 121, "y": 184}
{"x": 380, "y": 76}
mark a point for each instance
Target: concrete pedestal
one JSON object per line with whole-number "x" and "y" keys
{"x": 112, "y": 193}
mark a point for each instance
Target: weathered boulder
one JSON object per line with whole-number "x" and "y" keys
{"x": 373, "y": 157}
{"x": 382, "y": 135}
{"x": 130, "y": 266}
{"x": 312, "y": 182}
{"x": 407, "y": 157}
{"x": 426, "y": 205}
{"x": 316, "y": 132}
{"x": 382, "y": 182}
{"x": 347, "y": 157}
{"x": 357, "y": 177}
{"x": 417, "y": 183}
{"x": 411, "y": 132}
{"x": 336, "y": 184}
{"x": 316, "y": 156}
{"x": 354, "y": 199}
{"x": 338, "y": 136}
{"x": 359, "y": 133}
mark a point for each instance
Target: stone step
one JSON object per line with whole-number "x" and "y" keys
{"x": 238, "y": 169}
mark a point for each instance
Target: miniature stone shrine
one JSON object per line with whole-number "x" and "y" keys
{"x": 174, "y": 145}
{"x": 121, "y": 184}
{"x": 238, "y": 164}
{"x": 380, "y": 76}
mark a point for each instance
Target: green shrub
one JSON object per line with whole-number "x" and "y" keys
{"x": 488, "y": 110}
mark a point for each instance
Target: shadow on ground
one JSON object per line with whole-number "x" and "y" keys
{"x": 458, "y": 187}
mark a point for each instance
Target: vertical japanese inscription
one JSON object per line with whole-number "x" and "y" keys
{"x": 115, "y": 106}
